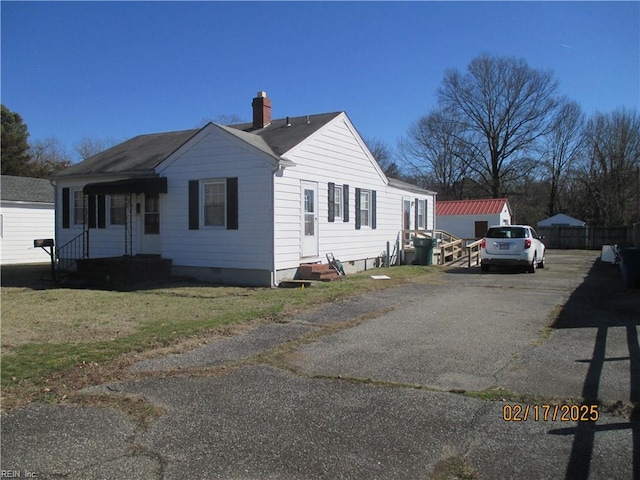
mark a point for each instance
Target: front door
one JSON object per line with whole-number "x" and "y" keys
{"x": 150, "y": 235}
{"x": 309, "y": 219}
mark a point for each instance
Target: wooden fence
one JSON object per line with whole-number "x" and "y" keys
{"x": 585, "y": 238}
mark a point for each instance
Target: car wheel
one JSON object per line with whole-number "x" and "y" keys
{"x": 484, "y": 268}
{"x": 534, "y": 264}
{"x": 541, "y": 263}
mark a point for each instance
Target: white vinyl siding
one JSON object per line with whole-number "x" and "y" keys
{"x": 22, "y": 223}
{"x": 218, "y": 155}
{"x": 463, "y": 226}
{"x": 336, "y": 155}
{"x": 104, "y": 242}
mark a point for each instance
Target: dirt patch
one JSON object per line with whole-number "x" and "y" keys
{"x": 453, "y": 468}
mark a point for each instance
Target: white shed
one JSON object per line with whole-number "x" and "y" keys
{"x": 561, "y": 219}
{"x": 470, "y": 219}
{"x": 26, "y": 214}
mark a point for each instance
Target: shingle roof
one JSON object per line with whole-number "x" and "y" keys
{"x": 470, "y": 207}
{"x": 26, "y": 189}
{"x": 282, "y": 136}
{"x": 409, "y": 186}
{"x": 142, "y": 154}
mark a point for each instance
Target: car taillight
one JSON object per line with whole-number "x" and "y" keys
{"x": 484, "y": 243}
{"x": 527, "y": 243}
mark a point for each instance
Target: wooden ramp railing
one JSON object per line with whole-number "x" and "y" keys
{"x": 448, "y": 247}
{"x": 473, "y": 253}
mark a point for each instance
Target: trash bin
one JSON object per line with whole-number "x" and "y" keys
{"x": 630, "y": 267}
{"x": 424, "y": 250}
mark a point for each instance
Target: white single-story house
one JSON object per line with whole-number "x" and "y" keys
{"x": 26, "y": 214}
{"x": 561, "y": 219}
{"x": 243, "y": 204}
{"x": 470, "y": 219}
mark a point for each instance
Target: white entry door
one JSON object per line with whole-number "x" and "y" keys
{"x": 309, "y": 219}
{"x": 150, "y": 242}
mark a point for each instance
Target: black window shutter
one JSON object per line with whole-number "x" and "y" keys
{"x": 357, "y": 209}
{"x": 332, "y": 202}
{"x": 92, "y": 211}
{"x": 66, "y": 206}
{"x": 102, "y": 211}
{"x": 194, "y": 204}
{"x": 345, "y": 202}
{"x": 373, "y": 209}
{"x": 416, "y": 224}
{"x": 232, "y": 203}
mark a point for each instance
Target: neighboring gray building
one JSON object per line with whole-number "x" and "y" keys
{"x": 26, "y": 213}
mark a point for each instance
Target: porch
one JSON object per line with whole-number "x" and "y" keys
{"x": 124, "y": 272}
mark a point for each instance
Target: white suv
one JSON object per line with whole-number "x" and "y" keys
{"x": 512, "y": 245}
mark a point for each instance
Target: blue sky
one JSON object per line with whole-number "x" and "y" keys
{"x": 119, "y": 69}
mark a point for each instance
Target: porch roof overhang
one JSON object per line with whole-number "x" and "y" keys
{"x": 129, "y": 185}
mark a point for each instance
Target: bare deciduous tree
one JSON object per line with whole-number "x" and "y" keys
{"x": 48, "y": 157}
{"x": 504, "y": 107}
{"x": 90, "y": 146}
{"x": 222, "y": 119}
{"x": 436, "y": 154}
{"x": 383, "y": 155}
{"x": 609, "y": 174}
{"x": 561, "y": 150}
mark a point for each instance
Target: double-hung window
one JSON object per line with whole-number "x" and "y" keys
{"x": 421, "y": 215}
{"x": 337, "y": 202}
{"x": 117, "y": 210}
{"x": 365, "y": 208}
{"x": 213, "y": 201}
{"x": 78, "y": 207}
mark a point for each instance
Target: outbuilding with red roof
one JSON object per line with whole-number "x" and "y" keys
{"x": 471, "y": 218}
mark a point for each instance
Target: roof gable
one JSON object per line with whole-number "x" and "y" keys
{"x": 26, "y": 189}
{"x": 492, "y": 206}
{"x": 141, "y": 155}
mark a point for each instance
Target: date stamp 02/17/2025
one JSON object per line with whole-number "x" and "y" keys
{"x": 550, "y": 413}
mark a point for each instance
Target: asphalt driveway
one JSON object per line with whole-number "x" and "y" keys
{"x": 408, "y": 383}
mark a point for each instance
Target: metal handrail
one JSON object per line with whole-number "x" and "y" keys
{"x": 75, "y": 249}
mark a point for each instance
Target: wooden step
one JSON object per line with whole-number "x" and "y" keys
{"x": 317, "y": 271}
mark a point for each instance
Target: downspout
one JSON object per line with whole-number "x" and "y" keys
{"x": 54, "y": 184}
{"x": 272, "y": 237}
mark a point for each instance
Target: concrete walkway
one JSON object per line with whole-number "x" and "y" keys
{"x": 372, "y": 388}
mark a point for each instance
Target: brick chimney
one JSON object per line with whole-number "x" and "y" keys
{"x": 261, "y": 110}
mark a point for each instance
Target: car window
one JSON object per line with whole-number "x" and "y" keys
{"x": 507, "y": 232}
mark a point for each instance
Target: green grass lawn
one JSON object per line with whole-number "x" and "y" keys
{"x": 57, "y": 339}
